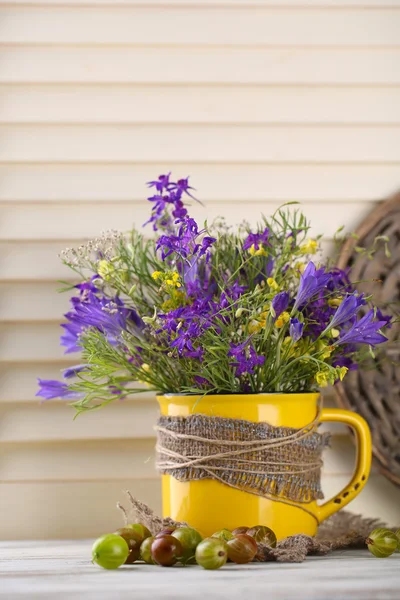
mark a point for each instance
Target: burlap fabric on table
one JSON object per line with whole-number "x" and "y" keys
{"x": 342, "y": 530}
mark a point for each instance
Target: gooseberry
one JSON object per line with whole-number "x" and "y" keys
{"x": 166, "y": 550}
{"x": 397, "y": 534}
{"x": 189, "y": 539}
{"x": 242, "y": 549}
{"x": 145, "y": 550}
{"x": 263, "y": 535}
{"x": 223, "y": 534}
{"x": 240, "y": 530}
{"x": 382, "y": 542}
{"x": 110, "y": 551}
{"x": 133, "y": 540}
{"x": 212, "y": 553}
{"x": 166, "y": 531}
{"x": 140, "y": 529}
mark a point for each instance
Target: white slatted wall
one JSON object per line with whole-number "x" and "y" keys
{"x": 260, "y": 101}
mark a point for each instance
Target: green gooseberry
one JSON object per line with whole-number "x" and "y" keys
{"x": 212, "y": 553}
{"x": 110, "y": 551}
{"x": 382, "y": 542}
{"x": 140, "y": 529}
{"x": 263, "y": 535}
{"x": 223, "y": 534}
{"x": 189, "y": 539}
{"x": 145, "y": 550}
{"x": 397, "y": 534}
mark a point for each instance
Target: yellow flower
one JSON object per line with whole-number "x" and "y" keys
{"x": 299, "y": 268}
{"x": 342, "y": 372}
{"x": 282, "y": 319}
{"x": 176, "y": 300}
{"x": 156, "y": 275}
{"x": 322, "y": 378}
{"x": 254, "y": 326}
{"x": 105, "y": 269}
{"x": 259, "y": 252}
{"x": 272, "y": 283}
{"x": 173, "y": 280}
{"x": 335, "y": 302}
{"x": 335, "y": 333}
{"x": 310, "y": 247}
{"x": 146, "y": 368}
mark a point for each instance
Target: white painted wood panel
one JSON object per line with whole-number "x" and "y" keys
{"x": 198, "y": 104}
{"x": 36, "y": 342}
{"x": 69, "y": 510}
{"x": 74, "y": 221}
{"x": 109, "y": 460}
{"x": 87, "y": 508}
{"x": 317, "y": 183}
{"x": 32, "y": 261}
{"x": 226, "y": 3}
{"x": 55, "y": 421}
{"x": 261, "y": 102}
{"x": 216, "y": 26}
{"x": 169, "y": 65}
{"x": 229, "y": 3}
{"x": 213, "y": 143}
{"x": 32, "y": 302}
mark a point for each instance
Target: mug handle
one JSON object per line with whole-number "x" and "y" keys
{"x": 363, "y": 460}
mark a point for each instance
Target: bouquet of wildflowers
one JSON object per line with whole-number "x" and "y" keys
{"x": 209, "y": 310}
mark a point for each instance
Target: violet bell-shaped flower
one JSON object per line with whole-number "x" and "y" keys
{"x": 279, "y": 304}
{"x": 347, "y": 310}
{"x": 50, "y": 388}
{"x": 364, "y": 331}
{"x": 312, "y": 281}
{"x": 296, "y": 329}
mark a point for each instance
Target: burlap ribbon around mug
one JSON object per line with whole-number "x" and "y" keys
{"x": 281, "y": 463}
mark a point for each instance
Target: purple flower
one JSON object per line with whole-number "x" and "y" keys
{"x": 280, "y": 303}
{"x": 49, "y": 389}
{"x": 201, "y": 381}
{"x": 246, "y": 358}
{"x": 198, "y": 354}
{"x": 347, "y": 310}
{"x": 206, "y": 244}
{"x": 296, "y": 329}
{"x": 73, "y": 371}
{"x": 364, "y": 331}
{"x": 235, "y": 291}
{"x": 185, "y": 336}
{"x": 169, "y": 194}
{"x": 161, "y": 183}
{"x": 381, "y": 317}
{"x": 312, "y": 281}
{"x": 345, "y": 361}
{"x": 109, "y": 316}
{"x": 256, "y": 239}
{"x": 182, "y": 186}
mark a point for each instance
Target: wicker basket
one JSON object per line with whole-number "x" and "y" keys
{"x": 375, "y": 393}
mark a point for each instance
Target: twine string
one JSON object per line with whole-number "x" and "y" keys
{"x": 282, "y": 464}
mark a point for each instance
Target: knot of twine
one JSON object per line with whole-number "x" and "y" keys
{"x": 281, "y": 463}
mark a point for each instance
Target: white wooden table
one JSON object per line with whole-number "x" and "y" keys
{"x": 62, "y": 569}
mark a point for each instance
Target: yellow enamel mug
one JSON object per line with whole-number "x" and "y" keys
{"x": 210, "y": 505}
